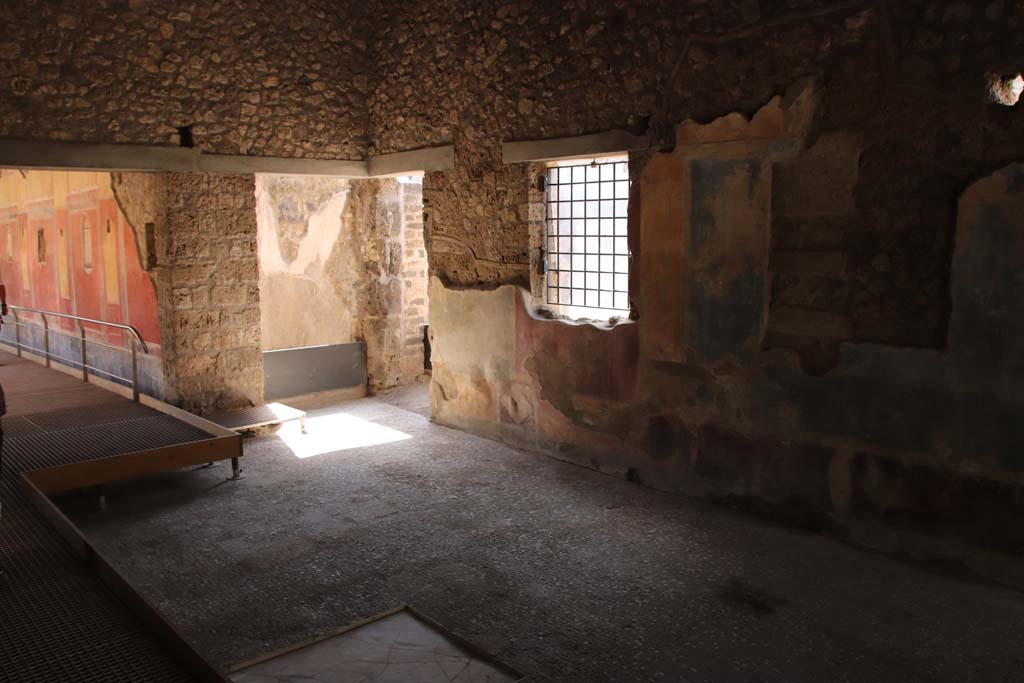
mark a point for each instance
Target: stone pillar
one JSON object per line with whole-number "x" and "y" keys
{"x": 393, "y": 305}
{"x": 207, "y": 283}
{"x": 381, "y": 300}
{"x": 216, "y": 360}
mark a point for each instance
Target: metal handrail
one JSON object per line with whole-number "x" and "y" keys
{"x": 135, "y": 339}
{"x": 126, "y": 328}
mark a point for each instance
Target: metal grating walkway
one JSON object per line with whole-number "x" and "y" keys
{"x": 58, "y": 621}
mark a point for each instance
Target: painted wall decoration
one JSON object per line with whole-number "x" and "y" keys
{"x": 66, "y": 247}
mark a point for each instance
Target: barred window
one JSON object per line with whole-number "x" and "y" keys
{"x": 587, "y": 247}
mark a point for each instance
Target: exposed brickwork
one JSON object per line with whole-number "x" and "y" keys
{"x": 518, "y": 69}
{"x": 251, "y": 78}
{"x": 390, "y": 323}
{"x": 207, "y": 277}
{"x": 414, "y": 282}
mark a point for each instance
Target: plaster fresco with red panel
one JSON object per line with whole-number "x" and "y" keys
{"x": 88, "y": 263}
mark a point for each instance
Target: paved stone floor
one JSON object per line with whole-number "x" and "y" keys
{"x": 562, "y": 573}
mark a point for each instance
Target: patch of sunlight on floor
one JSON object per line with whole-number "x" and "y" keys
{"x": 335, "y": 432}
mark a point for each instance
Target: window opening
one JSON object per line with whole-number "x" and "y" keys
{"x": 1005, "y": 90}
{"x": 587, "y": 247}
{"x": 40, "y": 246}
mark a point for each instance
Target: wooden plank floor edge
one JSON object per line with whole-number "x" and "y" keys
{"x": 78, "y": 475}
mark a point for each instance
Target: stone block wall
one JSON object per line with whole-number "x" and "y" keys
{"x": 207, "y": 283}
{"x": 340, "y": 261}
{"x": 477, "y": 216}
{"x": 911, "y": 451}
{"x": 811, "y": 333}
{"x": 248, "y": 77}
{"x": 795, "y": 349}
{"x": 216, "y": 360}
{"x": 902, "y": 84}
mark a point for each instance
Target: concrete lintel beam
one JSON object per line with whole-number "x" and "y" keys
{"x": 231, "y": 163}
{"x": 30, "y": 154}
{"x": 580, "y": 146}
{"x": 95, "y": 157}
{"x": 101, "y": 157}
{"x": 414, "y": 161}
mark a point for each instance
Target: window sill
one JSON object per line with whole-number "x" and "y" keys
{"x": 546, "y": 313}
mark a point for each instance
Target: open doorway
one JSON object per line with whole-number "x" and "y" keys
{"x": 343, "y": 284}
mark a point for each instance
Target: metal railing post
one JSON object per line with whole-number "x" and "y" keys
{"x": 46, "y": 338}
{"x": 17, "y": 332}
{"x": 135, "y": 372}
{"x": 85, "y": 368}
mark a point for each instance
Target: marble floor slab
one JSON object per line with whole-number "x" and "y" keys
{"x": 397, "y": 648}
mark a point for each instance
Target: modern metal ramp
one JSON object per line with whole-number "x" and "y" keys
{"x": 65, "y": 614}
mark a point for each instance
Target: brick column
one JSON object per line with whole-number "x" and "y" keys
{"x": 414, "y": 276}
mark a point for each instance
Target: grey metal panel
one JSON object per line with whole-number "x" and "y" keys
{"x": 291, "y": 372}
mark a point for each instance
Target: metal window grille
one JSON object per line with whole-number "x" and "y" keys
{"x": 587, "y": 250}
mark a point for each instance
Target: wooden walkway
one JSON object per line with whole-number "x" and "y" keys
{"x": 65, "y": 613}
